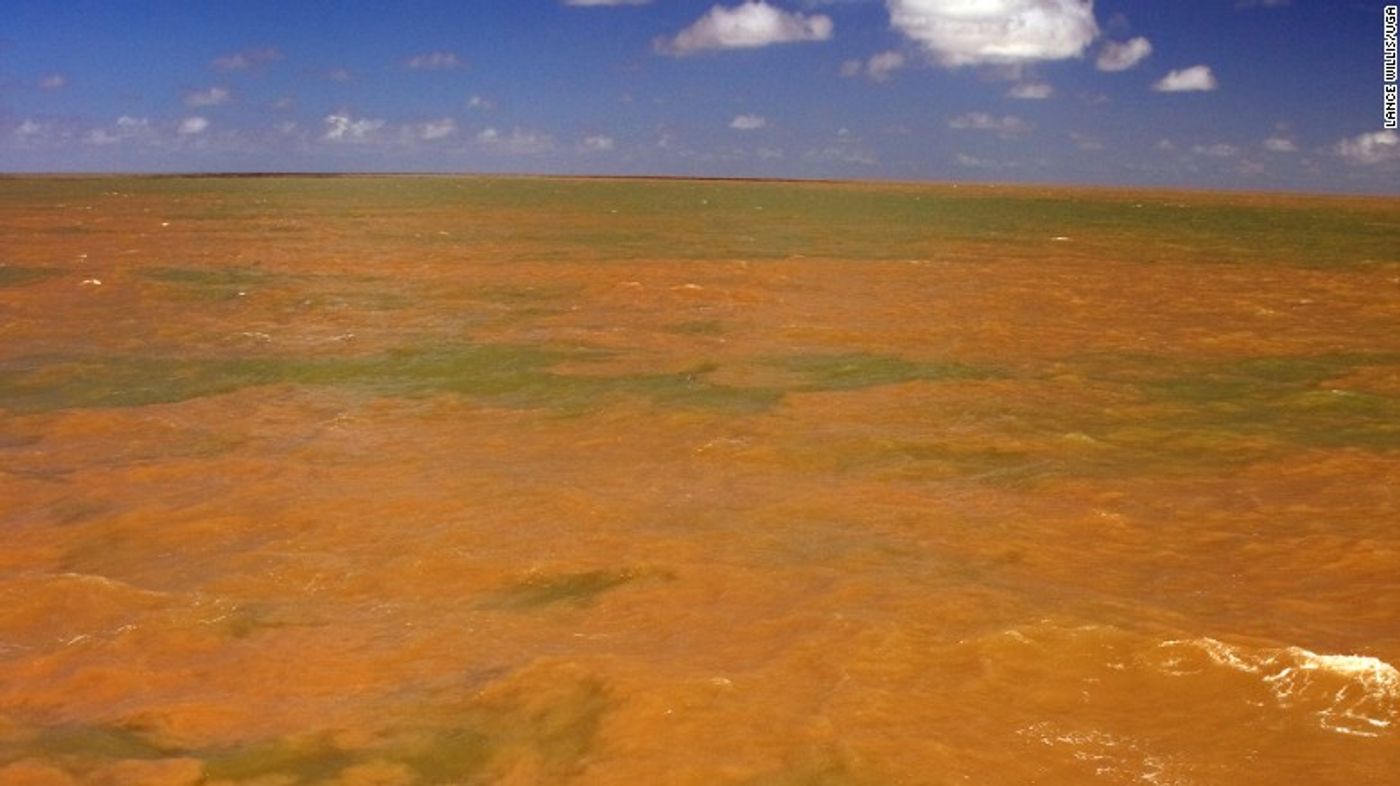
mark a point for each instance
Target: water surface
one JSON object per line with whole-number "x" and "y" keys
{"x": 530, "y": 481}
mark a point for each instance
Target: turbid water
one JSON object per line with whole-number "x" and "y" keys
{"x": 485, "y": 481}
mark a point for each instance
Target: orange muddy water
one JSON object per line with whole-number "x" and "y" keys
{"x": 486, "y": 481}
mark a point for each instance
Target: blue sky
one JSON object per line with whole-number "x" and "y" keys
{"x": 1245, "y": 94}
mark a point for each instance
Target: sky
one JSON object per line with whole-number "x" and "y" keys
{"x": 1232, "y": 94}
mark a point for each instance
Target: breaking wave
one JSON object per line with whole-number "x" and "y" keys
{"x": 1350, "y": 694}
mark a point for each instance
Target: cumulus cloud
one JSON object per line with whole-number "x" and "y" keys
{"x": 748, "y": 123}
{"x": 433, "y": 61}
{"x": 517, "y": 142}
{"x": 210, "y": 97}
{"x": 1195, "y": 78}
{"x": 1120, "y": 56}
{"x": 1031, "y": 91}
{"x": 125, "y": 128}
{"x": 193, "y": 125}
{"x": 53, "y": 82}
{"x": 751, "y": 24}
{"x": 597, "y": 143}
{"x": 341, "y": 127}
{"x": 961, "y": 32}
{"x": 1007, "y": 125}
{"x": 878, "y": 67}
{"x": 436, "y": 129}
{"x": 1279, "y": 143}
{"x": 1373, "y": 149}
{"x": 247, "y": 59}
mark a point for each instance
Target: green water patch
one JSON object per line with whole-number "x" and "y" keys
{"x": 856, "y": 370}
{"x": 567, "y": 589}
{"x": 18, "y": 276}
{"x": 306, "y": 759}
{"x": 224, "y": 283}
{"x": 691, "y": 389}
{"x": 1248, "y": 408}
{"x": 82, "y": 745}
{"x": 698, "y": 327}
{"x": 554, "y": 723}
{"x": 505, "y": 375}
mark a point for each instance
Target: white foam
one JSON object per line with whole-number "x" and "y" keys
{"x": 1356, "y": 695}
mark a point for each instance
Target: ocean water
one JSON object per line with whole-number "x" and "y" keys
{"x": 524, "y": 481}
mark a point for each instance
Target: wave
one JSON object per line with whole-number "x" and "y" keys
{"x": 1350, "y": 694}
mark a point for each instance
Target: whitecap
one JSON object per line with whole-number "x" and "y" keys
{"x": 1356, "y": 695}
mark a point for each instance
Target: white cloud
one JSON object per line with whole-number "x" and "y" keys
{"x": 517, "y": 142}
{"x": 28, "y": 128}
{"x": 751, "y": 24}
{"x": 1007, "y": 125}
{"x": 1280, "y": 144}
{"x": 878, "y": 67}
{"x": 483, "y": 104}
{"x": 1195, "y": 78}
{"x": 436, "y": 129}
{"x": 1217, "y": 150}
{"x": 598, "y": 143}
{"x": 1031, "y": 91}
{"x": 125, "y": 128}
{"x": 964, "y": 32}
{"x": 193, "y": 125}
{"x": 842, "y": 154}
{"x": 53, "y": 82}
{"x": 344, "y": 128}
{"x": 433, "y": 61}
{"x": 247, "y": 59}
{"x": 1120, "y": 56}
{"x": 596, "y": 3}
{"x": 1373, "y": 149}
{"x": 748, "y": 123}
{"x": 210, "y": 97}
